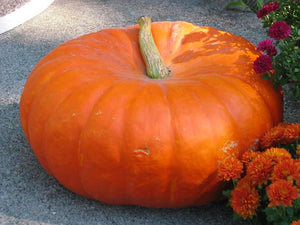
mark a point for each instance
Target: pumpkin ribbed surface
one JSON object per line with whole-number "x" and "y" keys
{"x": 106, "y": 131}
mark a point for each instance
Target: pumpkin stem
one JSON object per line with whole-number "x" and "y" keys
{"x": 155, "y": 66}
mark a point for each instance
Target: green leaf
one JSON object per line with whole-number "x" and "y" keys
{"x": 259, "y": 3}
{"x": 272, "y": 214}
{"x": 265, "y": 76}
{"x": 290, "y": 211}
{"x": 296, "y": 203}
{"x": 284, "y": 223}
{"x": 227, "y": 193}
{"x": 236, "y": 217}
{"x": 235, "y": 4}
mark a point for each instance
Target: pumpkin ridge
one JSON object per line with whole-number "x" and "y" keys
{"x": 177, "y": 172}
{"x": 38, "y": 89}
{"x": 123, "y": 39}
{"x": 85, "y": 38}
{"x": 44, "y": 66}
{"x": 177, "y": 38}
{"x": 41, "y": 143}
{"x": 210, "y": 90}
{"x": 52, "y": 58}
{"x": 236, "y": 87}
{"x": 267, "y": 103}
{"x": 97, "y": 53}
{"x": 76, "y": 90}
{"x": 129, "y": 38}
{"x": 86, "y": 127}
{"x": 267, "y": 106}
{"x": 57, "y": 103}
{"x": 251, "y": 83}
{"x": 127, "y": 113}
{"x": 173, "y": 159}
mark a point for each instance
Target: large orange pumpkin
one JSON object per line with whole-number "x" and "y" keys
{"x": 107, "y": 131}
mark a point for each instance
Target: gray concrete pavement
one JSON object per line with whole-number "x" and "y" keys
{"x": 28, "y": 195}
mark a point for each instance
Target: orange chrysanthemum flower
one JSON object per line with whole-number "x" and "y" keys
{"x": 286, "y": 169}
{"x": 276, "y": 154}
{"x": 281, "y": 192}
{"x": 245, "y": 200}
{"x": 260, "y": 170}
{"x": 247, "y": 182}
{"x": 230, "y": 168}
{"x": 291, "y": 133}
{"x": 249, "y": 156}
{"x": 283, "y": 133}
{"x": 296, "y": 174}
{"x": 272, "y": 137}
{"x": 296, "y": 222}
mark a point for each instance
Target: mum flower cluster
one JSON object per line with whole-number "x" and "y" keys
{"x": 266, "y": 183}
{"x": 279, "y": 30}
{"x": 268, "y": 47}
{"x": 266, "y": 9}
{"x": 263, "y": 64}
{"x": 283, "y": 133}
{"x": 281, "y": 54}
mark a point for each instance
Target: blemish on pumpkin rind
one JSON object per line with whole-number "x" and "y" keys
{"x": 145, "y": 151}
{"x": 229, "y": 146}
{"x": 156, "y": 138}
{"x": 98, "y": 113}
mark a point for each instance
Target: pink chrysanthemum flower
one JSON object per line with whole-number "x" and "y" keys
{"x": 263, "y": 64}
{"x": 279, "y": 30}
{"x": 267, "y": 46}
{"x": 266, "y": 9}
{"x": 274, "y": 6}
{"x": 262, "y": 12}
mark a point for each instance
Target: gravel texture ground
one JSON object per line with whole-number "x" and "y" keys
{"x": 28, "y": 195}
{"x": 7, "y": 6}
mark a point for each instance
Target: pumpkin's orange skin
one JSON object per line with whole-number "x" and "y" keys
{"x": 106, "y": 131}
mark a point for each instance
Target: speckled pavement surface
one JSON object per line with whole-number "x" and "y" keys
{"x": 8, "y": 6}
{"x": 28, "y": 195}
